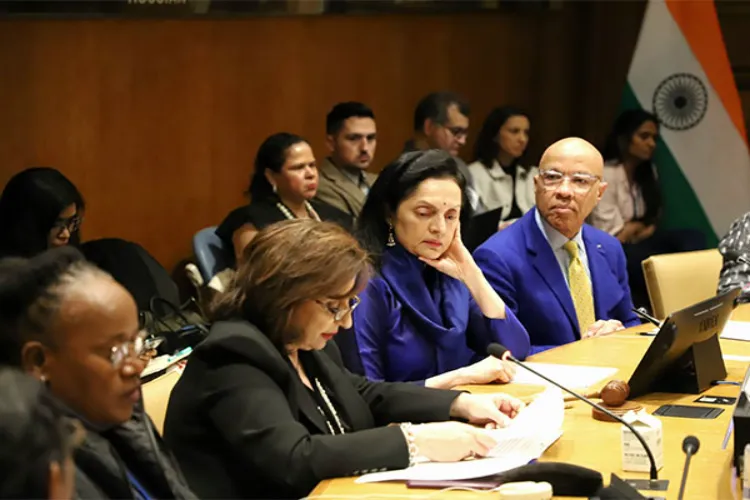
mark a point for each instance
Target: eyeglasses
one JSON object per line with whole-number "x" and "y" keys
{"x": 130, "y": 349}
{"x": 72, "y": 224}
{"x": 339, "y": 312}
{"x": 579, "y": 182}
{"x": 458, "y": 132}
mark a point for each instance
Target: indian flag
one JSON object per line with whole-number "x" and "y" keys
{"x": 681, "y": 73}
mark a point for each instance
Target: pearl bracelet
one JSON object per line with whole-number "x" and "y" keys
{"x": 406, "y": 428}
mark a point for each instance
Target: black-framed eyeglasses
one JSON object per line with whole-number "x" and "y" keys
{"x": 458, "y": 132}
{"x": 580, "y": 182}
{"x": 340, "y": 312}
{"x": 129, "y": 349}
{"x": 72, "y": 224}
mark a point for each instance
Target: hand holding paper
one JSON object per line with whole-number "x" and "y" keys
{"x": 489, "y": 410}
{"x": 526, "y": 437}
{"x": 451, "y": 441}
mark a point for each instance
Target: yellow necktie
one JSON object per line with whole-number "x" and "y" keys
{"x": 580, "y": 288}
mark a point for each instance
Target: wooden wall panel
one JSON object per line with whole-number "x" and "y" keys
{"x": 158, "y": 121}
{"x": 735, "y": 23}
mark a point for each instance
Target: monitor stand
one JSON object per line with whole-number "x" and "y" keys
{"x": 694, "y": 371}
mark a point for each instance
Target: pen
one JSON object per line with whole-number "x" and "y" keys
{"x": 725, "y": 382}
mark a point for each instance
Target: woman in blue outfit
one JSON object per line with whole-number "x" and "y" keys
{"x": 429, "y": 314}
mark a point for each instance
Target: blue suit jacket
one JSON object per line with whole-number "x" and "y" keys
{"x": 408, "y": 331}
{"x": 521, "y": 266}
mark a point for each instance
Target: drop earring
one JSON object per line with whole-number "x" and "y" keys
{"x": 391, "y": 242}
{"x": 273, "y": 188}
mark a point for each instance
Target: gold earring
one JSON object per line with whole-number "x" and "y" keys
{"x": 391, "y": 241}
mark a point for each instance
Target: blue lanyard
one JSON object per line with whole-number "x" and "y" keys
{"x": 140, "y": 491}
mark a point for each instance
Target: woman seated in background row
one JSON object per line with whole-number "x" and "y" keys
{"x": 36, "y": 456}
{"x": 430, "y": 313}
{"x": 282, "y": 187}
{"x": 631, "y": 206}
{"x": 265, "y": 408}
{"x": 498, "y": 176}
{"x": 70, "y": 325}
{"x": 40, "y": 209}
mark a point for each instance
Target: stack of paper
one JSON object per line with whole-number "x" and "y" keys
{"x": 736, "y": 330}
{"x": 566, "y": 375}
{"x": 534, "y": 429}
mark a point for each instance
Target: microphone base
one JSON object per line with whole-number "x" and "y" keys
{"x": 620, "y": 489}
{"x": 648, "y": 484}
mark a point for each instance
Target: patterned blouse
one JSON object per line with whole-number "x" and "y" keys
{"x": 733, "y": 273}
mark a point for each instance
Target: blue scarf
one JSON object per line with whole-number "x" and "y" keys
{"x": 436, "y": 305}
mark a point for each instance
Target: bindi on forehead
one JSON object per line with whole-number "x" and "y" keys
{"x": 438, "y": 203}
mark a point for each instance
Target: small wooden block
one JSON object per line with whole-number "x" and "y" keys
{"x": 617, "y": 410}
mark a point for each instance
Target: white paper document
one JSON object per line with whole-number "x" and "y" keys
{"x": 736, "y": 330}
{"x": 566, "y": 375}
{"x": 533, "y": 430}
{"x": 735, "y": 357}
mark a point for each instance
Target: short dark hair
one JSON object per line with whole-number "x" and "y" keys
{"x": 286, "y": 264}
{"x": 342, "y": 112}
{"x": 396, "y": 183}
{"x": 34, "y": 433}
{"x": 30, "y": 204}
{"x": 487, "y": 147}
{"x": 435, "y": 107}
{"x": 271, "y": 156}
{"x": 31, "y": 291}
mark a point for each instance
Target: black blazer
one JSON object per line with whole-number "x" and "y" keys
{"x": 242, "y": 424}
{"x": 103, "y": 457}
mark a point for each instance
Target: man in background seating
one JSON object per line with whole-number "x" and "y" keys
{"x": 441, "y": 121}
{"x": 351, "y": 137}
{"x": 563, "y": 279}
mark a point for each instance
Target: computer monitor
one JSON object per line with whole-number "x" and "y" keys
{"x": 481, "y": 227}
{"x": 685, "y": 356}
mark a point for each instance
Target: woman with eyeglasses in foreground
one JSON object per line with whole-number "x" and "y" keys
{"x": 41, "y": 209}
{"x": 70, "y": 325}
{"x": 38, "y": 441}
{"x": 265, "y": 408}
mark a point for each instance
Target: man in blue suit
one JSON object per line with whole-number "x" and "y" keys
{"x": 564, "y": 279}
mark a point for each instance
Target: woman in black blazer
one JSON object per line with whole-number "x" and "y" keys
{"x": 265, "y": 408}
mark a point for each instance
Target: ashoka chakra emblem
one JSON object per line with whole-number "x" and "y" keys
{"x": 680, "y": 101}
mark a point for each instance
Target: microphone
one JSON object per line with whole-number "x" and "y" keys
{"x": 642, "y": 313}
{"x": 501, "y": 352}
{"x": 690, "y": 446}
{"x": 736, "y": 256}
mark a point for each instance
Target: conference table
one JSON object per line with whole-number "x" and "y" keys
{"x": 596, "y": 444}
